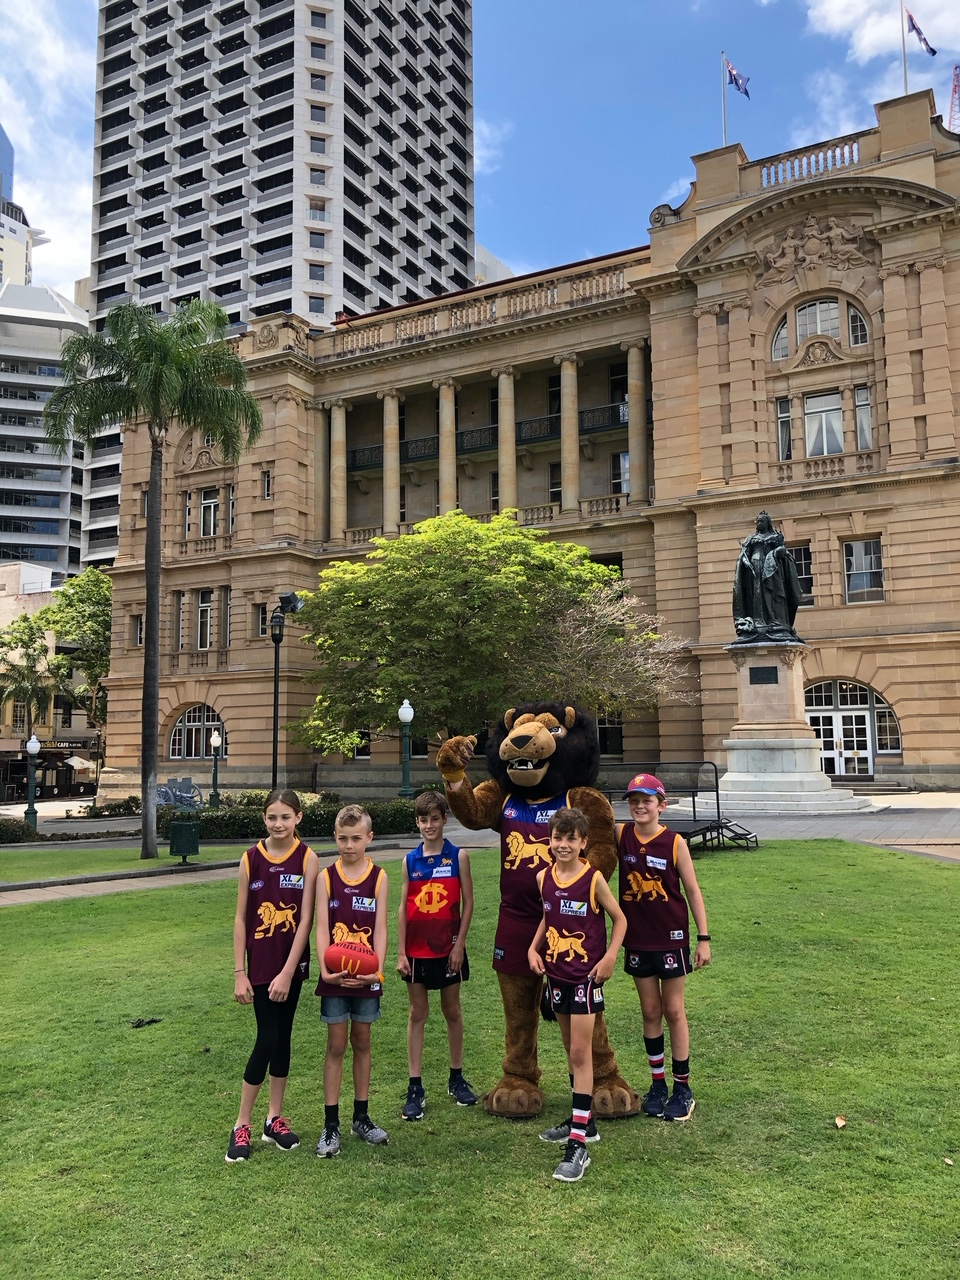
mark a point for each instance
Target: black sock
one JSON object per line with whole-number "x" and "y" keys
{"x": 359, "y": 1108}
{"x": 681, "y": 1071}
{"x": 331, "y": 1116}
{"x": 417, "y": 1081}
{"x": 456, "y": 1073}
{"x": 571, "y": 1079}
{"x": 654, "y": 1048}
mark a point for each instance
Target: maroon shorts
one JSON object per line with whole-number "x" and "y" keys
{"x": 510, "y": 946}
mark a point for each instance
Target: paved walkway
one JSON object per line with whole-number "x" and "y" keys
{"x": 927, "y": 823}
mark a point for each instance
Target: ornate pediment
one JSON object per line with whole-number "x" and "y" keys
{"x": 817, "y": 353}
{"x": 816, "y": 242}
{"x": 193, "y": 457}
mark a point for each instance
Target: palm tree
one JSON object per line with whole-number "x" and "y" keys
{"x": 161, "y": 372}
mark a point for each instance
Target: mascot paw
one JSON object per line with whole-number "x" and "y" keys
{"x": 454, "y": 755}
{"x": 513, "y": 1097}
{"x": 615, "y": 1100}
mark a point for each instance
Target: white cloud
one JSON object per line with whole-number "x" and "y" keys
{"x": 46, "y": 108}
{"x": 488, "y": 143}
{"x": 838, "y": 109}
{"x": 677, "y": 192}
{"x": 872, "y": 28}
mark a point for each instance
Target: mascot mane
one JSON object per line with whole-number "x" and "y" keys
{"x": 542, "y": 749}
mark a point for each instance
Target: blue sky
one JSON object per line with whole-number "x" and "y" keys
{"x": 587, "y": 111}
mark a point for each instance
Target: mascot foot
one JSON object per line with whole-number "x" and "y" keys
{"x": 515, "y": 1098}
{"x": 615, "y": 1100}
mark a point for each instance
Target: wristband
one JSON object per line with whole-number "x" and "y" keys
{"x": 239, "y": 971}
{"x": 703, "y": 937}
{"x": 454, "y": 777}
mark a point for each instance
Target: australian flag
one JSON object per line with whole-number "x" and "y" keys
{"x": 738, "y": 81}
{"x": 912, "y": 26}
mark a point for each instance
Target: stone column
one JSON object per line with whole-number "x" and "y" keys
{"x": 848, "y": 419}
{"x": 286, "y": 463}
{"x": 391, "y": 461}
{"x": 321, "y": 471}
{"x": 569, "y": 433}
{"x": 448, "y": 444}
{"x": 338, "y": 471}
{"x": 900, "y": 406}
{"x": 937, "y": 380}
{"x": 708, "y": 369}
{"x": 637, "y": 422}
{"x": 506, "y": 436}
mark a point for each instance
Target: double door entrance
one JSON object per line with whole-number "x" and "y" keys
{"x": 845, "y": 742}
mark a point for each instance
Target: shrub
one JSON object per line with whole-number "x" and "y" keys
{"x": 115, "y": 808}
{"x": 16, "y": 831}
{"x": 390, "y": 818}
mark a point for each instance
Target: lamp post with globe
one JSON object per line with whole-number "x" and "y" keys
{"x": 30, "y": 813}
{"x": 405, "y": 715}
{"x": 215, "y": 743}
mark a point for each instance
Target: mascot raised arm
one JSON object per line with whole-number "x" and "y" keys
{"x": 541, "y": 757}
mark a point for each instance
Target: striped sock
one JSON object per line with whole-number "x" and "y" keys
{"x": 681, "y": 1071}
{"x": 655, "y": 1056}
{"x": 580, "y": 1117}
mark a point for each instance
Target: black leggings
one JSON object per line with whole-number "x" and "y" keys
{"x": 274, "y": 1029}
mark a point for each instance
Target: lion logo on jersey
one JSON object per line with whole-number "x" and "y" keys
{"x": 641, "y": 884}
{"x": 270, "y": 917}
{"x": 342, "y": 934}
{"x": 571, "y": 944}
{"x": 520, "y": 849}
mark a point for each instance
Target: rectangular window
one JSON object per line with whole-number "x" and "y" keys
{"x": 263, "y": 622}
{"x": 19, "y": 717}
{"x": 209, "y": 512}
{"x": 318, "y": 50}
{"x": 804, "y": 562}
{"x": 495, "y": 492}
{"x": 494, "y": 406}
{"x": 610, "y": 733}
{"x": 436, "y": 497}
{"x": 318, "y": 146}
{"x": 620, "y": 472}
{"x": 136, "y": 630}
{"x": 888, "y": 731}
{"x": 318, "y": 114}
{"x": 231, "y": 508}
{"x": 784, "y": 430}
{"x": 403, "y": 503}
{"x": 204, "y": 618}
{"x": 266, "y": 484}
{"x": 186, "y": 496}
{"x": 362, "y": 750}
{"x": 318, "y": 19}
{"x": 820, "y": 317}
{"x": 318, "y": 82}
{"x": 226, "y": 595}
{"x": 316, "y": 270}
{"x": 318, "y": 240}
{"x": 861, "y": 396}
{"x": 419, "y": 749}
{"x": 144, "y": 503}
{"x": 402, "y": 419}
{"x": 618, "y": 382}
{"x": 553, "y": 395}
{"x": 318, "y": 177}
{"x": 317, "y": 305}
{"x": 863, "y": 571}
{"x": 823, "y": 424}
{"x": 554, "y": 483}
{"x": 178, "y": 599}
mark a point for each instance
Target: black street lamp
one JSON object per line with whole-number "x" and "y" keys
{"x": 215, "y": 743}
{"x": 405, "y": 715}
{"x": 30, "y": 813}
{"x": 290, "y": 602}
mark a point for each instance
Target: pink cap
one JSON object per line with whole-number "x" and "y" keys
{"x": 647, "y": 785}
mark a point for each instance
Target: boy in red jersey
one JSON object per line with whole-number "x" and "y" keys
{"x": 570, "y": 948}
{"x": 656, "y": 871}
{"x": 436, "y": 907}
{"x": 351, "y": 907}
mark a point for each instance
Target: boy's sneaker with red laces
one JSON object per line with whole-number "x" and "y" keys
{"x": 278, "y": 1132}
{"x": 239, "y": 1148}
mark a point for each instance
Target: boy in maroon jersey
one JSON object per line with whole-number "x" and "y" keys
{"x": 351, "y": 907}
{"x": 656, "y": 871}
{"x": 570, "y": 948}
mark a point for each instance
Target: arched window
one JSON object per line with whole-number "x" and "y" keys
{"x": 822, "y": 316}
{"x": 859, "y": 335}
{"x": 778, "y": 350}
{"x": 190, "y": 736}
{"x": 854, "y": 725}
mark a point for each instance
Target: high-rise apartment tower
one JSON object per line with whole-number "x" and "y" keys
{"x": 313, "y": 156}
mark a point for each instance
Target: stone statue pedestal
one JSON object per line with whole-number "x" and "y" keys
{"x": 773, "y": 756}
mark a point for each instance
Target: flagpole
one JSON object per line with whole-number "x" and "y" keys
{"x": 903, "y": 48}
{"x": 723, "y": 93}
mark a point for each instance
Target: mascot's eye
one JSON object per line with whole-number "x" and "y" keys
{"x": 558, "y": 731}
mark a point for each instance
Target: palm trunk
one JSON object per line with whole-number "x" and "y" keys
{"x": 150, "y": 704}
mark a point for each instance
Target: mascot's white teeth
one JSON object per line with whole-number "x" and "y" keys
{"x": 525, "y": 764}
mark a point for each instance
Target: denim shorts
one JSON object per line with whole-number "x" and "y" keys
{"x": 349, "y": 1008}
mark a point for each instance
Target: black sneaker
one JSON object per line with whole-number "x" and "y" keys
{"x": 655, "y": 1099}
{"x": 239, "y": 1148}
{"x": 413, "y": 1107}
{"x": 278, "y": 1132}
{"x": 365, "y": 1128}
{"x": 561, "y": 1132}
{"x": 460, "y": 1089}
{"x": 574, "y": 1164}
{"x": 681, "y": 1103}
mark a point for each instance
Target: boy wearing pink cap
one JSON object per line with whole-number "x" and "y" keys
{"x": 657, "y": 881}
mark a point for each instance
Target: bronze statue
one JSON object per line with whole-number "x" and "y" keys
{"x": 766, "y": 588}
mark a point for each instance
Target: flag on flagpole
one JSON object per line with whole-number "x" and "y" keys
{"x": 738, "y": 81}
{"x": 924, "y": 42}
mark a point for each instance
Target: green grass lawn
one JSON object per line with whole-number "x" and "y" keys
{"x": 833, "y": 992}
{"x": 48, "y": 862}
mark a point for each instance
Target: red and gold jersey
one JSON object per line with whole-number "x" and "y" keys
{"x": 433, "y": 901}
{"x": 651, "y": 894}
{"x": 274, "y": 907}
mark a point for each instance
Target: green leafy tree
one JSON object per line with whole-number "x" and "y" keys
{"x": 30, "y": 673}
{"x": 79, "y": 617}
{"x": 460, "y": 617}
{"x": 163, "y": 373}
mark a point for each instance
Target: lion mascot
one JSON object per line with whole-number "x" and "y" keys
{"x": 541, "y": 757}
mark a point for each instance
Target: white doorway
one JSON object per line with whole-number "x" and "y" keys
{"x": 853, "y": 724}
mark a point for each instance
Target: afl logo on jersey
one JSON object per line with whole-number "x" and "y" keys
{"x": 630, "y": 859}
{"x": 334, "y": 903}
{"x": 510, "y": 812}
{"x": 256, "y": 884}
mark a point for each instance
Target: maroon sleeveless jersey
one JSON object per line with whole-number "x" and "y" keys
{"x": 351, "y": 915}
{"x": 274, "y": 906}
{"x": 576, "y": 929}
{"x": 524, "y": 852}
{"x": 651, "y": 895}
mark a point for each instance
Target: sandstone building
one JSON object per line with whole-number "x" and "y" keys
{"x": 789, "y": 340}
